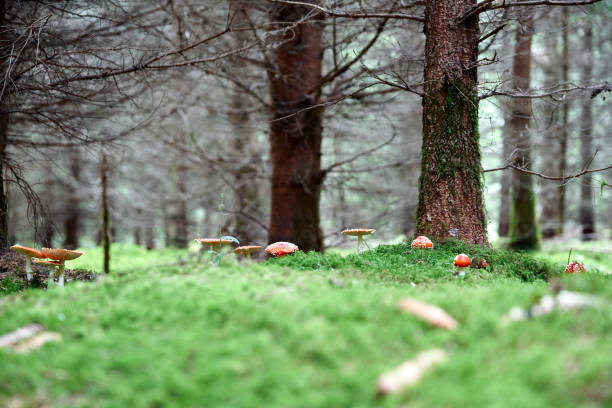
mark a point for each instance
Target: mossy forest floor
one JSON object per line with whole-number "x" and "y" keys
{"x": 166, "y": 329}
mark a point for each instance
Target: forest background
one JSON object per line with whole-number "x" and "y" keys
{"x": 285, "y": 120}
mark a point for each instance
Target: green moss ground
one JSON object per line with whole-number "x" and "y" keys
{"x": 164, "y": 333}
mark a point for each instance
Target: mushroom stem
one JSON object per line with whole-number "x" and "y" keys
{"x": 359, "y": 243}
{"x": 51, "y": 276}
{"x": 60, "y": 280}
{"x": 29, "y": 267}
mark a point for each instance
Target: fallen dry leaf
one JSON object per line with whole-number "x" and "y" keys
{"x": 22, "y": 333}
{"x": 430, "y": 313}
{"x": 36, "y": 342}
{"x": 410, "y": 372}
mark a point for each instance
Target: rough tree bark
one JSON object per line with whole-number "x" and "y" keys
{"x": 587, "y": 210}
{"x": 296, "y": 130}
{"x": 523, "y": 224}
{"x": 450, "y": 187}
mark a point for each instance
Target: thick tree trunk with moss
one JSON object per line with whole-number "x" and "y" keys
{"x": 450, "y": 186}
{"x": 587, "y": 210}
{"x": 296, "y": 130}
{"x": 523, "y": 224}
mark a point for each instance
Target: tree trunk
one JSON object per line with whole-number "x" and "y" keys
{"x": 296, "y": 131}
{"x": 523, "y": 224}
{"x": 73, "y": 212}
{"x": 177, "y": 206}
{"x": 4, "y": 221}
{"x": 587, "y": 210}
{"x": 4, "y": 126}
{"x": 555, "y": 149}
{"x": 503, "y": 227}
{"x": 506, "y": 182}
{"x": 565, "y": 121}
{"x": 106, "y": 238}
{"x": 450, "y": 187}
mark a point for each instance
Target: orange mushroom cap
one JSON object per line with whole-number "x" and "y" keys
{"x": 574, "y": 267}
{"x": 422, "y": 242}
{"x": 46, "y": 262}
{"x": 281, "y": 248}
{"x": 247, "y": 249}
{"x": 462, "y": 261}
{"x": 61, "y": 254}
{"x": 213, "y": 241}
{"x": 27, "y": 251}
{"x": 356, "y": 232}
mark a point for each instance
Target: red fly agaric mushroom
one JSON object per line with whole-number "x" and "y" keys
{"x": 281, "y": 248}
{"x": 61, "y": 255}
{"x": 574, "y": 267}
{"x": 359, "y": 233}
{"x": 52, "y": 266}
{"x": 28, "y": 253}
{"x": 422, "y": 242}
{"x": 247, "y": 250}
{"x": 462, "y": 261}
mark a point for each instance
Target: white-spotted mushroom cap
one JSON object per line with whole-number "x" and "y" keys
{"x": 422, "y": 242}
{"x": 61, "y": 254}
{"x": 281, "y": 248}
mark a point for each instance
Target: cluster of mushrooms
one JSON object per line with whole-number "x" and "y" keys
{"x": 276, "y": 249}
{"x": 57, "y": 258}
{"x": 463, "y": 261}
{"x": 460, "y": 262}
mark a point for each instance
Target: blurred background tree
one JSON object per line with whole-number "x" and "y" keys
{"x": 278, "y": 120}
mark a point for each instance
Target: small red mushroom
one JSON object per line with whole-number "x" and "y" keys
{"x": 281, "y": 248}
{"x": 422, "y": 242}
{"x": 462, "y": 261}
{"x": 574, "y": 267}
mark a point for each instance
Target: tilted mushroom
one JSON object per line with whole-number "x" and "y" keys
{"x": 574, "y": 267}
{"x": 215, "y": 245}
{"x": 61, "y": 255}
{"x": 359, "y": 233}
{"x": 247, "y": 250}
{"x": 29, "y": 253}
{"x": 281, "y": 248}
{"x": 422, "y": 242}
{"x": 53, "y": 265}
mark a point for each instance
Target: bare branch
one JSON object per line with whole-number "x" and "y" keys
{"x": 359, "y": 14}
